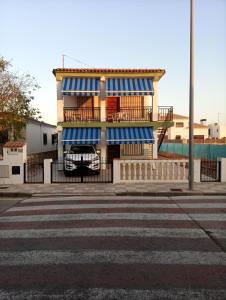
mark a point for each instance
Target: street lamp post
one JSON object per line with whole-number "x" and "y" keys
{"x": 191, "y": 97}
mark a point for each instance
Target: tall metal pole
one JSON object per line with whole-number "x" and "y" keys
{"x": 191, "y": 97}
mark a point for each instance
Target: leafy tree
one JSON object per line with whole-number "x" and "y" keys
{"x": 15, "y": 99}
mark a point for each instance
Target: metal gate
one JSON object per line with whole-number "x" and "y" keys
{"x": 82, "y": 174}
{"x": 210, "y": 170}
{"x": 34, "y": 172}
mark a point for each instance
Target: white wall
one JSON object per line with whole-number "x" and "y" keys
{"x": 184, "y": 131}
{"x": 34, "y": 137}
{"x": 217, "y": 130}
{"x": 10, "y": 159}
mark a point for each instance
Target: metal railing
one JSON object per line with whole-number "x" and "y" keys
{"x": 130, "y": 114}
{"x": 81, "y": 114}
{"x": 165, "y": 113}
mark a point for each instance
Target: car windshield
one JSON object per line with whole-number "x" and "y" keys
{"x": 81, "y": 149}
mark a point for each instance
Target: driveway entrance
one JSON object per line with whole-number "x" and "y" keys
{"x": 82, "y": 175}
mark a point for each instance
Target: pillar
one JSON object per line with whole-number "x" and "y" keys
{"x": 60, "y": 103}
{"x": 47, "y": 170}
{"x": 103, "y": 148}
{"x": 155, "y": 102}
{"x": 60, "y": 145}
{"x": 223, "y": 169}
{"x": 197, "y": 170}
{"x": 155, "y": 145}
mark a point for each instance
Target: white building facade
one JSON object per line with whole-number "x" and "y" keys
{"x": 180, "y": 129}
{"x": 40, "y": 137}
{"x": 217, "y": 131}
{"x": 116, "y": 110}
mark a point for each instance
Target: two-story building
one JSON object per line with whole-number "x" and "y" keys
{"x": 114, "y": 109}
{"x": 180, "y": 129}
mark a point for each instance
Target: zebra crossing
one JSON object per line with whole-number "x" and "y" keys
{"x": 114, "y": 248}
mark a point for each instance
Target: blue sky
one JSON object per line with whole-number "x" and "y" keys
{"x": 117, "y": 34}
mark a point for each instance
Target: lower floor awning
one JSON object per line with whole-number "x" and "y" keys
{"x": 81, "y": 136}
{"x": 130, "y": 135}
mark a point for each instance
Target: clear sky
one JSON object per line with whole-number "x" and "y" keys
{"x": 117, "y": 34}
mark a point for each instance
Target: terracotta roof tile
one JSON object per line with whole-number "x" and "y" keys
{"x": 14, "y": 144}
{"x": 87, "y": 70}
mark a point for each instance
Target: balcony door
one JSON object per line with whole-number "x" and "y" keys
{"x": 113, "y": 106}
{"x": 85, "y": 107}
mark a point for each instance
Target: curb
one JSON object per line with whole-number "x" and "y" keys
{"x": 15, "y": 194}
{"x": 154, "y": 194}
{"x": 168, "y": 194}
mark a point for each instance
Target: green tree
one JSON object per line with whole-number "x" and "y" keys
{"x": 15, "y": 99}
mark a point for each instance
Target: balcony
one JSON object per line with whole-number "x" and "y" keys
{"x": 139, "y": 114}
{"x": 82, "y": 114}
{"x": 130, "y": 114}
{"x": 165, "y": 113}
{"x": 124, "y": 114}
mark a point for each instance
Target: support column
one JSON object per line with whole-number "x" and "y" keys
{"x": 155, "y": 146}
{"x": 103, "y": 148}
{"x": 47, "y": 170}
{"x": 60, "y": 145}
{"x": 155, "y": 102}
{"x": 223, "y": 169}
{"x": 60, "y": 103}
{"x": 197, "y": 170}
{"x": 102, "y": 110}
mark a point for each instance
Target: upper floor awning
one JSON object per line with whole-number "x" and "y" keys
{"x": 73, "y": 86}
{"x": 87, "y": 86}
{"x": 129, "y": 87}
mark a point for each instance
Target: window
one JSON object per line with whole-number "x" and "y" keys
{"x": 178, "y": 137}
{"x": 44, "y": 138}
{"x": 179, "y": 124}
{"x": 12, "y": 151}
{"x": 133, "y": 150}
{"x": 54, "y": 138}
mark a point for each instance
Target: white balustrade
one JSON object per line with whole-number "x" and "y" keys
{"x": 151, "y": 170}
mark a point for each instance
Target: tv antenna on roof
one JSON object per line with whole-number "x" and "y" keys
{"x": 77, "y": 60}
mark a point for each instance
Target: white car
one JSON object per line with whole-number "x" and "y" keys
{"x": 81, "y": 158}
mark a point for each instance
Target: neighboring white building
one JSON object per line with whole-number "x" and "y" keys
{"x": 40, "y": 137}
{"x": 217, "y": 131}
{"x": 180, "y": 130}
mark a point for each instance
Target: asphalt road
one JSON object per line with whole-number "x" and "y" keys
{"x": 113, "y": 248}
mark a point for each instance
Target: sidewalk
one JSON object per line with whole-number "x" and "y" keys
{"x": 109, "y": 189}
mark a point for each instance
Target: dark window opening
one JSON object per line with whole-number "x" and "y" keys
{"x": 44, "y": 138}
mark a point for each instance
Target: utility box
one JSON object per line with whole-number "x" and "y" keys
{"x": 12, "y": 164}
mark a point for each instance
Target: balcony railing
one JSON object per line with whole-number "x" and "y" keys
{"x": 129, "y": 114}
{"x": 140, "y": 114}
{"x": 81, "y": 114}
{"x": 165, "y": 113}
{"x": 126, "y": 114}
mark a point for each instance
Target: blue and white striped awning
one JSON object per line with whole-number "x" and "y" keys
{"x": 129, "y": 87}
{"x": 130, "y": 135}
{"x": 81, "y": 86}
{"x": 81, "y": 136}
